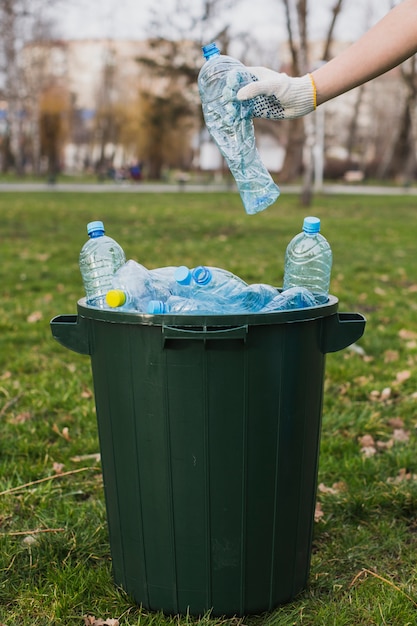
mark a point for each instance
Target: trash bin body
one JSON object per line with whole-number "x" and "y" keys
{"x": 209, "y": 432}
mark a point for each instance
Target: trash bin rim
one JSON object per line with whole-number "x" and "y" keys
{"x": 249, "y": 319}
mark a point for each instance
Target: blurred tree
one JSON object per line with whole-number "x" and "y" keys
{"x": 54, "y": 112}
{"x": 20, "y": 21}
{"x": 299, "y": 158}
{"x": 109, "y": 118}
{"x": 401, "y": 157}
{"x": 169, "y": 101}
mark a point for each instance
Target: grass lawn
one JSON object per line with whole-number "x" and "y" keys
{"x": 55, "y": 563}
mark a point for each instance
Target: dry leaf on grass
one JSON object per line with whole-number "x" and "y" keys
{"x": 335, "y": 489}
{"x": 390, "y": 356}
{"x": 21, "y": 418}
{"x": 402, "y": 376}
{"x": 406, "y": 334}
{"x": 382, "y": 396}
{"x": 400, "y": 434}
{"x": 367, "y": 445}
{"x": 58, "y": 468}
{"x": 36, "y": 316}
{"x": 396, "y": 422}
{"x": 385, "y": 445}
{"x": 64, "y": 433}
{"x": 403, "y": 475}
{"x": 318, "y": 513}
{"x": 90, "y": 620}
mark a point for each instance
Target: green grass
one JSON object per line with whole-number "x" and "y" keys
{"x": 364, "y": 562}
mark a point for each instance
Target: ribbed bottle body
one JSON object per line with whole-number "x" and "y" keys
{"x": 308, "y": 263}
{"x": 100, "y": 258}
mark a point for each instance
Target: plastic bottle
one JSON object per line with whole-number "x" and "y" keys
{"x": 308, "y": 261}
{"x": 229, "y": 122}
{"x": 164, "y": 278}
{"x": 100, "y": 258}
{"x": 183, "y": 305}
{"x": 133, "y": 286}
{"x": 252, "y": 298}
{"x": 230, "y": 293}
{"x": 205, "y": 281}
{"x": 293, "y": 298}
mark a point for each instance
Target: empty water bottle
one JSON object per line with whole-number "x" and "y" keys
{"x": 183, "y": 305}
{"x": 293, "y": 298}
{"x": 252, "y": 298}
{"x": 133, "y": 286}
{"x": 165, "y": 278}
{"x": 205, "y": 281}
{"x": 100, "y": 258}
{"x": 230, "y": 124}
{"x": 308, "y": 261}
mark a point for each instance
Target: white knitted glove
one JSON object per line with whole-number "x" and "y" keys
{"x": 295, "y": 96}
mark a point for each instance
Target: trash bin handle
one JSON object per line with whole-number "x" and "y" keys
{"x": 205, "y": 333}
{"x": 341, "y": 330}
{"x": 71, "y": 332}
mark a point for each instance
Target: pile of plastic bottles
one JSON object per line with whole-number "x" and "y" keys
{"x": 112, "y": 282}
{"x": 202, "y": 290}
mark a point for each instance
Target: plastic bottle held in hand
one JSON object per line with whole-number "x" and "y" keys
{"x": 308, "y": 261}
{"x": 229, "y": 122}
{"x": 100, "y": 258}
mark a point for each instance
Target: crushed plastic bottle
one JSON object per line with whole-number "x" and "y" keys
{"x": 100, "y": 257}
{"x": 205, "y": 281}
{"x": 230, "y": 124}
{"x": 293, "y": 298}
{"x": 133, "y": 286}
{"x": 183, "y": 305}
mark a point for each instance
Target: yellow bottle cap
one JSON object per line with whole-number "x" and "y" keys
{"x": 115, "y": 298}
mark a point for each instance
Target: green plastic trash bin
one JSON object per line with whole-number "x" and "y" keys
{"x": 209, "y": 432}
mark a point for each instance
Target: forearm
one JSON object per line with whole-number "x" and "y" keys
{"x": 391, "y": 41}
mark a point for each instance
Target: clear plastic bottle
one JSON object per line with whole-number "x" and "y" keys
{"x": 230, "y": 293}
{"x": 205, "y": 281}
{"x": 184, "y": 306}
{"x": 252, "y": 299}
{"x": 308, "y": 261}
{"x": 100, "y": 258}
{"x": 293, "y": 298}
{"x": 133, "y": 286}
{"x": 165, "y": 278}
{"x": 230, "y": 124}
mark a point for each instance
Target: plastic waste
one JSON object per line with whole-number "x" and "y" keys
{"x": 100, "y": 257}
{"x": 230, "y": 124}
{"x": 133, "y": 286}
{"x": 293, "y": 298}
{"x": 308, "y": 261}
{"x": 183, "y": 305}
{"x": 204, "y": 280}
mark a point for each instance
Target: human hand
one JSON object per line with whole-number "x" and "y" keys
{"x": 296, "y": 96}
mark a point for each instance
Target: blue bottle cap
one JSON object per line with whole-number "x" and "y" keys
{"x": 202, "y": 275}
{"x": 182, "y": 275}
{"x": 311, "y": 225}
{"x": 210, "y": 50}
{"x": 93, "y": 226}
{"x": 156, "y": 307}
